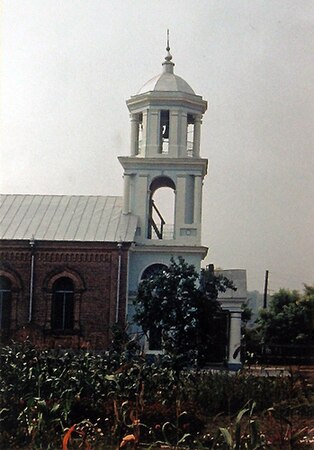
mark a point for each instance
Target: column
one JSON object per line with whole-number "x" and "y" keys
{"x": 182, "y": 135}
{"x": 152, "y": 133}
{"x": 144, "y": 133}
{"x": 134, "y": 135}
{"x": 179, "y": 205}
{"x": 197, "y": 136}
{"x": 197, "y": 199}
{"x": 126, "y": 193}
{"x": 234, "y": 358}
{"x": 173, "y": 133}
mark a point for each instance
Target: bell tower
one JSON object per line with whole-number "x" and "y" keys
{"x": 166, "y": 117}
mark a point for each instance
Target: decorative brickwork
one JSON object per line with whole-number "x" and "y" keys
{"x": 99, "y": 295}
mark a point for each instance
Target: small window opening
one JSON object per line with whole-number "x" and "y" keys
{"x": 190, "y": 135}
{"x": 5, "y": 303}
{"x": 164, "y": 131}
{"x": 140, "y": 134}
{"x": 63, "y": 305}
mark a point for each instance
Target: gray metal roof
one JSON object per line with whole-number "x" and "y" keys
{"x": 167, "y": 82}
{"x": 65, "y": 218}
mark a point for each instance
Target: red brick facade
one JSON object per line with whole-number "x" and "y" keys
{"x": 98, "y": 273}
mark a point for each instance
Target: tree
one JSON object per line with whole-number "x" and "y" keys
{"x": 289, "y": 319}
{"x": 182, "y": 311}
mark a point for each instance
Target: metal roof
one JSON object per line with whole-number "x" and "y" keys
{"x": 167, "y": 82}
{"x": 65, "y": 218}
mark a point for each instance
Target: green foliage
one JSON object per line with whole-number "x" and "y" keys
{"x": 289, "y": 318}
{"x": 44, "y": 393}
{"x": 183, "y": 313}
{"x": 246, "y": 314}
{"x": 246, "y": 435}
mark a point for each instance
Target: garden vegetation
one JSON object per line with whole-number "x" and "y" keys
{"x": 55, "y": 398}
{"x": 70, "y": 399}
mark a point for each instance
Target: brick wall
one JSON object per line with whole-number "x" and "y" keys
{"x": 93, "y": 269}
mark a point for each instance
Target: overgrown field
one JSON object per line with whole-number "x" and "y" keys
{"x": 55, "y": 398}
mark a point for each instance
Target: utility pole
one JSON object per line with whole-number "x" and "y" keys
{"x": 265, "y": 289}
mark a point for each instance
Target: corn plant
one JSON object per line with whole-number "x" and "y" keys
{"x": 246, "y": 436}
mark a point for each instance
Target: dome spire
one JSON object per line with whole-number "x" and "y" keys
{"x": 168, "y": 64}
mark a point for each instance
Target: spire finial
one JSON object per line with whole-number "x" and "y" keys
{"x": 168, "y": 64}
{"x": 169, "y": 56}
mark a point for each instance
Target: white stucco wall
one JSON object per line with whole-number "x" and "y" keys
{"x": 232, "y": 300}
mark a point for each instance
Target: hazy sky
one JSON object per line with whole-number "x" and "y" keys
{"x": 67, "y": 67}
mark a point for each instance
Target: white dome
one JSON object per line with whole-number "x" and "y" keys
{"x": 167, "y": 82}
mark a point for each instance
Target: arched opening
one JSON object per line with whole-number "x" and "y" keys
{"x": 139, "y": 133}
{"x": 161, "y": 218}
{"x": 190, "y": 134}
{"x": 164, "y": 132}
{"x": 5, "y": 303}
{"x": 152, "y": 270}
{"x": 62, "y": 315}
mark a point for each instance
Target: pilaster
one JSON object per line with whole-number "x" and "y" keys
{"x": 234, "y": 358}
{"x": 197, "y": 136}
{"x": 134, "y": 134}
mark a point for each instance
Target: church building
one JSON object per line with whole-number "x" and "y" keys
{"x": 70, "y": 265}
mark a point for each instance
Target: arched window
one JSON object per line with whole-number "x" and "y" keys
{"x": 152, "y": 270}
{"x": 5, "y": 303}
{"x": 62, "y": 317}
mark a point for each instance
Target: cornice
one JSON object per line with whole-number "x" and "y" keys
{"x": 167, "y": 98}
{"x": 9, "y": 255}
{"x": 134, "y": 163}
{"x": 170, "y": 249}
{"x": 232, "y": 304}
{"x": 57, "y": 256}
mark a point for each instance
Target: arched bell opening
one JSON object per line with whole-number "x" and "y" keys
{"x": 161, "y": 214}
{"x": 164, "y": 132}
{"x": 190, "y": 135}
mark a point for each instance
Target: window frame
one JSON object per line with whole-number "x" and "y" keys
{"x": 64, "y": 297}
{"x": 5, "y": 298}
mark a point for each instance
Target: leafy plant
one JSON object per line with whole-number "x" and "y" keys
{"x": 289, "y": 318}
{"x": 246, "y": 436}
{"x": 44, "y": 392}
{"x": 171, "y": 304}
